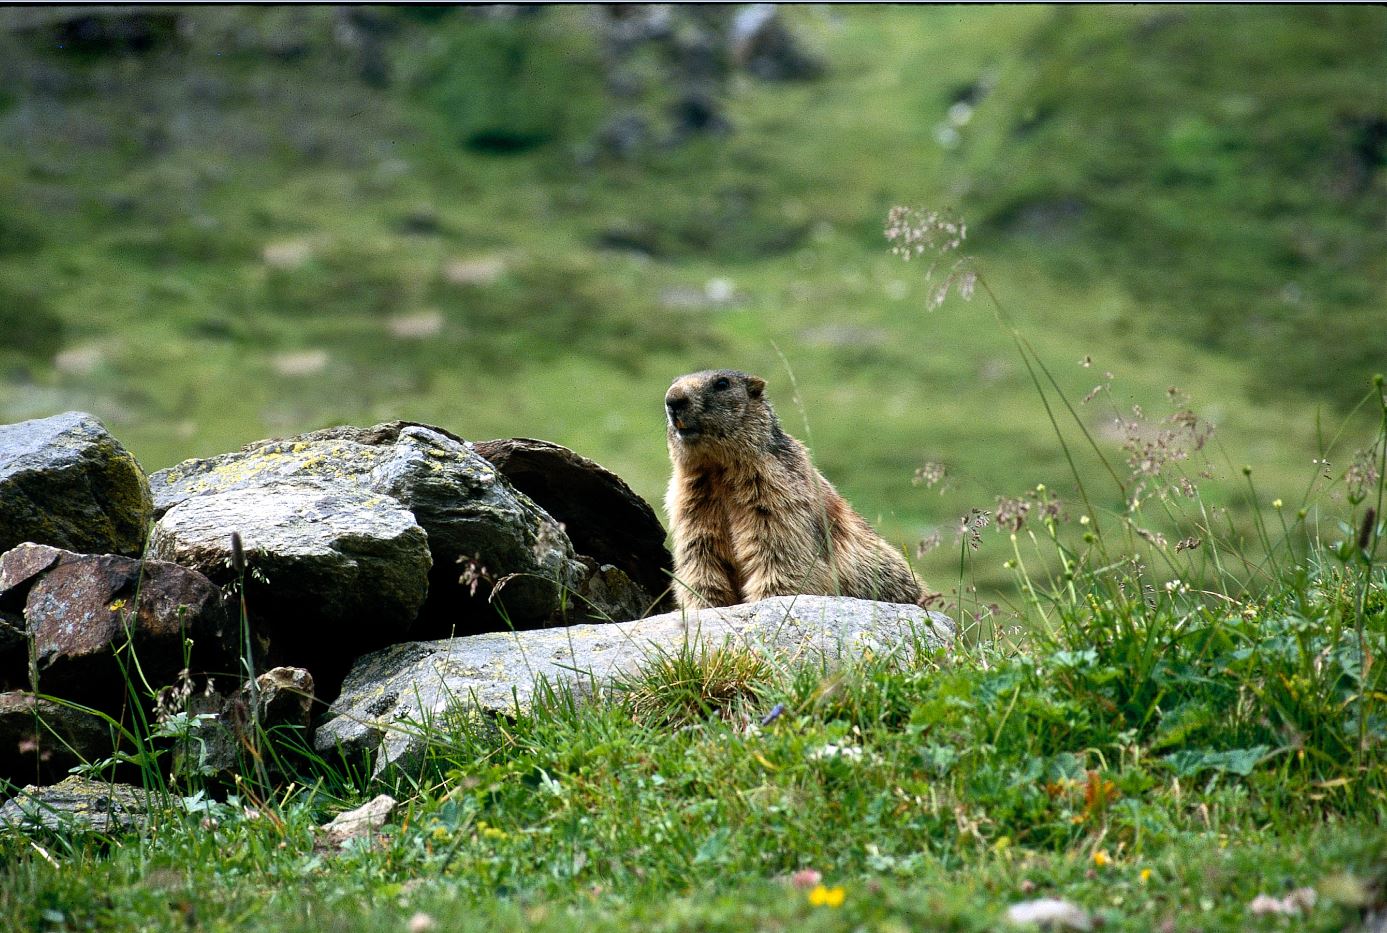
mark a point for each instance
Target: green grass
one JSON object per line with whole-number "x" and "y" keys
{"x": 1150, "y": 763}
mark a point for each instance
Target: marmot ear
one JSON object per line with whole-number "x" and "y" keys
{"x": 755, "y": 385}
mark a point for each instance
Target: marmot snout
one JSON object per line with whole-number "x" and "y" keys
{"x": 750, "y": 515}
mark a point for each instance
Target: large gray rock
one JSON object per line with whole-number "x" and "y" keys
{"x": 390, "y": 695}
{"x": 335, "y": 571}
{"x": 467, "y": 508}
{"x": 90, "y": 618}
{"x": 65, "y": 481}
{"x": 77, "y": 804}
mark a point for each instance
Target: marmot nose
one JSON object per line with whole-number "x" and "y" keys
{"x": 676, "y": 404}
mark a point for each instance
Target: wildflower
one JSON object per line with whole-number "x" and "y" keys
{"x": 473, "y": 574}
{"x": 1011, "y": 513}
{"x": 971, "y": 525}
{"x": 1153, "y": 537}
{"x": 1144, "y": 876}
{"x": 1101, "y": 387}
{"x": 1101, "y": 858}
{"x": 806, "y": 879}
{"x": 916, "y": 233}
{"x": 421, "y": 923}
{"x": 171, "y": 700}
{"x": 928, "y": 543}
{"x": 1276, "y": 503}
{"x": 1186, "y": 544}
{"x": 929, "y": 475}
{"x": 550, "y": 538}
{"x": 821, "y": 896}
{"x": 1361, "y": 476}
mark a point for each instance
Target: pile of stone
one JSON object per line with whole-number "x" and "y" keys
{"x": 345, "y": 584}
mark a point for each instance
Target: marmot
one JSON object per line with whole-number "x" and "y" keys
{"x": 750, "y": 515}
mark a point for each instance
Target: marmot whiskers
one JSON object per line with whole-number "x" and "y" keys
{"x": 751, "y": 516}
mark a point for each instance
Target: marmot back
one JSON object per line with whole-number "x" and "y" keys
{"x": 750, "y": 515}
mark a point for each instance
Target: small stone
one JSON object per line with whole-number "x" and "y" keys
{"x": 364, "y": 820}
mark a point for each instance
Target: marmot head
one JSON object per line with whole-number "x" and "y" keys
{"x": 718, "y": 407}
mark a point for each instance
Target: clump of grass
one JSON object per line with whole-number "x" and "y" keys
{"x": 694, "y": 682}
{"x": 1224, "y": 655}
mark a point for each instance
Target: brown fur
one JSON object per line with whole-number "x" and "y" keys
{"x": 751, "y": 516}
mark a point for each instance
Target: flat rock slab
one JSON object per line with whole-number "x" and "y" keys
{"x": 337, "y": 571}
{"x": 67, "y": 482}
{"x": 389, "y": 694}
{"x": 467, "y": 508}
{"x": 76, "y": 804}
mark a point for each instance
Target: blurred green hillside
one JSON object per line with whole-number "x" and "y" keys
{"x": 223, "y": 224}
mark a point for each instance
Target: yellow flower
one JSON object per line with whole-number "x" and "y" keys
{"x": 1145, "y": 875}
{"x": 492, "y": 832}
{"x": 826, "y": 897}
{"x": 1101, "y": 859}
{"x": 1276, "y": 503}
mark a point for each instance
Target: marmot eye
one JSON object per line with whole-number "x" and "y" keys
{"x": 721, "y": 384}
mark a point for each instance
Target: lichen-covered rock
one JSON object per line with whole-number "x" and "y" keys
{"x": 336, "y": 571}
{"x": 222, "y": 727}
{"x": 41, "y": 740}
{"x": 606, "y": 594}
{"x": 468, "y": 509}
{"x": 91, "y": 617}
{"x": 65, "y": 481}
{"x": 604, "y": 518}
{"x": 389, "y": 694}
{"x": 77, "y": 804}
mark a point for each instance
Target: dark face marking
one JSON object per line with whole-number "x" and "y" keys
{"x": 709, "y": 404}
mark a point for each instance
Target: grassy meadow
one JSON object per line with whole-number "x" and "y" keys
{"x": 1170, "y": 697}
{"x": 278, "y": 246}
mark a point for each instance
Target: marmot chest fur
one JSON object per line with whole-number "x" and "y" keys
{"x": 750, "y": 515}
